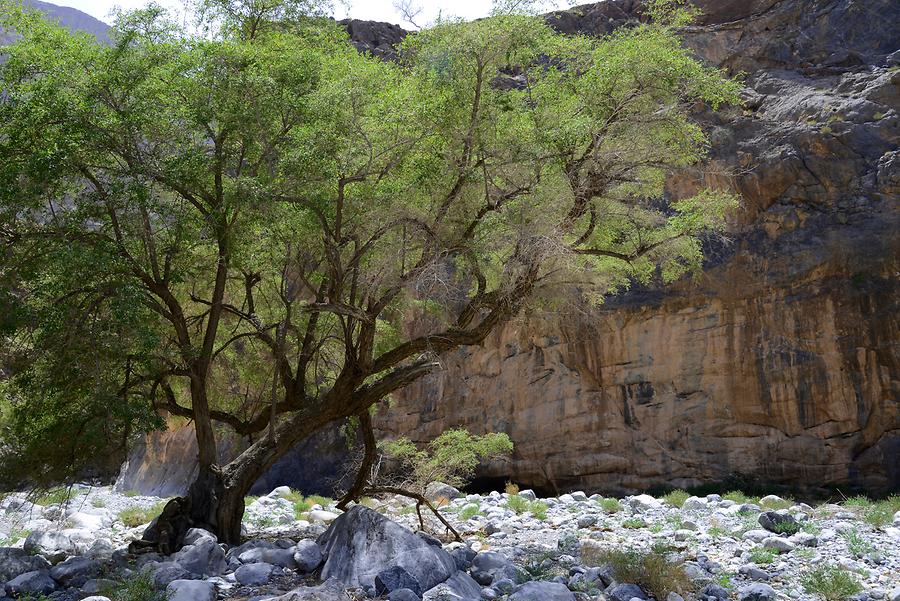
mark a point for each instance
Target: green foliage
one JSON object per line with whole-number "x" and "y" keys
{"x": 136, "y": 588}
{"x": 857, "y": 544}
{"x": 676, "y": 498}
{"x": 654, "y": 571}
{"x": 831, "y": 583}
{"x": 138, "y": 516}
{"x": 53, "y": 496}
{"x": 15, "y": 535}
{"x": 610, "y": 505}
{"x": 450, "y": 458}
{"x": 740, "y": 498}
{"x": 763, "y": 556}
{"x": 469, "y": 511}
{"x": 634, "y": 523}
{"x": 238, "y": 220}
{"x": 520, "y": 505}
{"x": 776, "y": 504}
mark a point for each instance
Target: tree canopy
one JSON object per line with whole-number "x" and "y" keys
{"x": 239, "y": 224}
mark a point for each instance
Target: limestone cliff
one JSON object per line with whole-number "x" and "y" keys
{"x": 781, "y": 363}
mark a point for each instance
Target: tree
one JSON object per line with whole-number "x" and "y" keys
{"x": 260, "y": 229}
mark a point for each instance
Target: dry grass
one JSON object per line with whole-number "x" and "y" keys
{"x": 654, "y": 571}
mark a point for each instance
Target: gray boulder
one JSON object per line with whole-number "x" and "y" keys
{"x": 307, "y": 556}
{"x": 542, "y": 591}
{"x": 395, "y": 578}
{"x": 438, "y": 491}
{"x": 757, "y": 592}
{"x": 459, "y": 587}
{"x": 191, "y": 590}
{"x": 204, "y": 558}
{"x": 254, "y": 574}
{"x": 75, "y": 571}
{"x": 360, "y": 543}
{"x": 463, "y": 556}
{"x": 14, "y": 562}
{"x": 34, "y": 584}
{"x": 490, "y": 566}
{"x": 779, "y": 522}
{"x": 274, "y": 555}
{"x": 162, "y": 574}
{"x": 625, "y": 592}
{"x": 330, "y": 590}
{"x": 55, "y": 546}
{"x": 403, "y": 594}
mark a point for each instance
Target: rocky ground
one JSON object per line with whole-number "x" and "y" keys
{"x": 515, "y": 547}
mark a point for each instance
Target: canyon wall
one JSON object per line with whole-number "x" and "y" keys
{"x": 781, "y": 363}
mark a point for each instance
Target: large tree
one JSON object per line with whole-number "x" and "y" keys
{"x": 252, "y": 225}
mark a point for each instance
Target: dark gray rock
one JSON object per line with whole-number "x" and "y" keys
{"x": 361, "y": 543}
{"x": 542, "y": 591}
{"x": 490, "y": 566}
{"x": 625, "y": 592}
{"x": 779, "y": 523}
{"x": 191, "y": 590}
{"x": 34, "y": 583}
{"x": 459, "y": 587}
{"x": 14, "y": 561}
{"x": 273, "y": 555}
{"x": 404, "y": 594}
{"x": 395, "y": 578}
{"x": 463, "y": 557}
{"x": 715, "y": 591}
{"x": 757, "y": 592}
{"x": 330, "y": 590}
{"x": 307, "y": 556}
{"x": 204, "y": 558}
{"x": 162, "y": 574}
{"x": 254, "y": 574}
{"x": 75, "y": 571}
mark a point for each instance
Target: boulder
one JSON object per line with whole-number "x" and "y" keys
{"x": 757, "y": 592}
{"x": 55, "y": 546}
{"x": 273, "y": 555}
{"x": 490, "y": 566}
{"x": 779, "y": 522}
{"x": 330, "y": 590}
{"x": 204, "y": 558}
{"x": 75, "y": 571}
{"x": 437, "y": 492}
{"x": 395, "y": 578}
{"x": 403, "y": 594}
{"x": 361, "y": 543}
{"x": 254, "y": 574}
{"x": 542, "y": 591}
{"x": 163, "y": 574}
{"x": 307, "y": 556}
{"x": 190, "y": 590}
{"x": 626, "y": 592}
{"x": 31, "y": 584}
{"x": 14, "y": 562}
{"x": 459, "y": 587}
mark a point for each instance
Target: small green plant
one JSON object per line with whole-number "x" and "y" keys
{"x": 521, "y": 505}
{"x": 470, "y": 511}
{"x": 878, "y": 116}
{"x": 654, "y": 571}
{"x": 53, "y": 496}
{"x": 676, "y": 498}
{"x": 248, "y": 501}
{"x": 407, "y": 510}
{"x": 831, "y": 583}
{"x": 656, "y": 528}
{"x": 676, "y": 521}
{"x": 740, "y": 498}
{"x": 130, "y": 493}
{"x": 15, "y": 535}
{"x": 540, "y": 566}
{"x": 137, "y": 588}
{"x": 857, "y": 501}
{"x": 133, "y": 517}
{"x": 804, "y": 553}
{"x": 610, "y": 505}
{"x": 633, "y": 523}
{"x": 98, "y": 502}
{"x": 716, "y": 531}
{"x": 724, "y": 579}
{"x": 880, "y": 514}
{"x": 775, "y": 504}
{"x": 810, "y": 527}
{"x": 763, "y": 556}
{"x": 857, "y": 545}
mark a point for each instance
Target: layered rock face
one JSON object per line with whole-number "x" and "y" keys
{"x": 781, "y": 363}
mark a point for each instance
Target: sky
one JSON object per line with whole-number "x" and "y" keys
{"x": 375, "y": 10}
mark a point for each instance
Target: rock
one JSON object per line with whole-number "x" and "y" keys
{"x": 641, "y": 503}
{"x": 779, "y": 522}
{"x": 438, "y": 492}
{"x": 542, "y": 591}
{"x": 195, "y": 535}
{"x": 96, "y": 598}
{"x": 674, "y": 597}
{"x": 307, "y": 556}
{"x": 757, "y": 536}
{"x": 54, "y": 546}
{"x": 626, "y": 592}
{"x": 894, "y": 595}
{"x": 361, "y": 543}
{"x": 254, "y": 574}
{"x": 459, "y": 587}
{"x": 320, "y": 516}
{"x": 190, "y": 590}
{"x": 75, "y": 571}
{"x": 463, "y": 557}
{"x": 490, "y": 566}
{"x": 284, "y": 558}
{"x": 804, "y": 539}
{"x": 529, "y": 495}
{"x": 204, "y": 558}
{"x": 754, "y": 573}
{"x": 715, "y": 591}
{"x": 395, "y": 578}
{"x": 757, "y": 592}
{"x": 163, "y": 574}
{"x": 34, "y": 584}
{"x": 694, "y": 504}
{"x": 14, "y": 562}
{"x": 403, "y": 594}
{"x": 778, "y": 543}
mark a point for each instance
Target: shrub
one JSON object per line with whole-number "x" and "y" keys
{"x": 775, "y": 504}
{"x": 857, "y": 501}
{"x": 831, "y": 583}
{"x": 856, "y": 543}
{"x": 763, "y": 556}
{"x": 521, "y": 505}
{"x": 512, "y": 488}
{"x": 470, "y": 511}
{"x": 610, "y": 505}
{"x": 652, "y": 570}
{"x": 880, "y": 514}
{"x": 53, "y": 496}
{"x": 133, "y": 517}
{"x": 676, "y": 498}
{"x": 633, "y": 523}
{"x": 137, "y": 588}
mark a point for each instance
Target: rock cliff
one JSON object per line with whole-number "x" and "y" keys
{"x": 781, "y": 363}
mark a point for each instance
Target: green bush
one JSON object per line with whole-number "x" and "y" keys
{"x": 831, "y": 583}
{"x": 470, "y": 511}
{"x": 633, "y": 523}
{"x": 652, "y": 570}
{"x": 521, "y": 505}
{"x": 133, "y": 517}
{"x": 857, "y": 545}
{"x": 881, "y": 513}
{"x": 610, "y": 505}
{"x": 53, "y": 496}
{"x": 763, "y": 556}
{"x": 137, "y": 588}
{"x": 676, "y": 498}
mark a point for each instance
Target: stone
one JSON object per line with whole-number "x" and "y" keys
{"x": 459, "y": 587}
{"x": 395, "y": 578}
{"x": 463, "y": 557}
{"x": 403, "y": 594}
{"x": 307, "y": 556}
{"x": 779, "y": 522}
{"x": 254, "y": 574}
{"x": 489, "y": 566}
{"x": 14, "y": 562}
{"x": 438, "y": 492}
{"x": 542, "y": 591}
{"x": 626, "y": 592}
{"x": 641, "y": 503}
{"x": 330, "y": 590}
{"x": 54, "y": 546}
{"x": 804, "y": 539}
{"x": 204, "y": 558}
{"x": 715, "y": 591}
{"x": 361, "y": 543}
{"x": 96, "y": 598}
{"x": 754, "y": 573}
{"x": 894, "y": 595}
{"x": 190, "y": 590}
{"x": 75, "y": 571}
{"x": 694, "y": 504}
{"x": 757, "y": 592}
{"x": 34, "y": 584}
{"x": 778, "y": 543}
{"x": 195, "y": 535}
{"x": 284, "y": 558}
{"x": 321, "y": 516}
{"x": 529, "y": 495}
{"x": 163, "y": 574}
